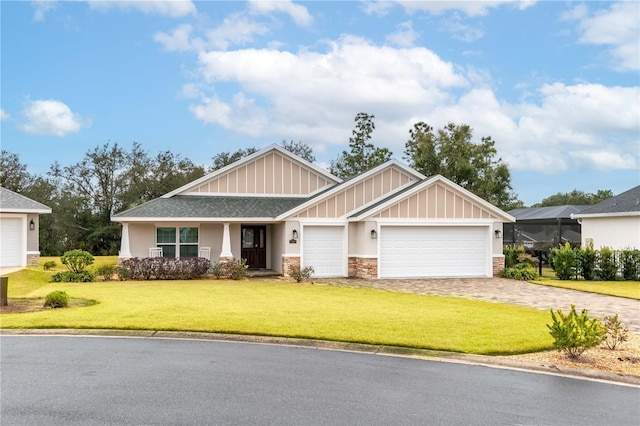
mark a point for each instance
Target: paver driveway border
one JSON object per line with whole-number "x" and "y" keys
{"x": 512, "y": 292}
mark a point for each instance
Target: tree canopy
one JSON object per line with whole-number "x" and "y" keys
{"x": 451, "y": 152}
{"x": 575, "y": 197}
{"x": 362, "y": 155}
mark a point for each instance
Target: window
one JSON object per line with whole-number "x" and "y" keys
{"x": 178, "y": 242}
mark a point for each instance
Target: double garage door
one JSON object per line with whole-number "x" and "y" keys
{"x": 11, "y": 242}
{"x": 435, "y": 251}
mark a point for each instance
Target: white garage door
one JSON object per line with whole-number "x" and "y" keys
{"x": 433, "y": 251}
{"x": 11, "y": 244}
{"x": 322, "y": 248}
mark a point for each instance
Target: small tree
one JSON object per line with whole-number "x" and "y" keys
{"x": 564, "y": 261}
{"x": 77, "y": 261}
{"x": 607, "y": 268}
{"x": 616, "y": 332}
{"x": 573, "y": 334}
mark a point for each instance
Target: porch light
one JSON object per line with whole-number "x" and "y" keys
{"x": 294, "y": 234}
{"x": 374, "y": 234}
{"x": 32, "y": 225}
{"x": 498, "y": 233}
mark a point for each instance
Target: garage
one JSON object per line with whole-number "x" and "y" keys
{"x": 323, "y": 249}
{"x": 11, "y": 242}
{"x": 434, "y": 251}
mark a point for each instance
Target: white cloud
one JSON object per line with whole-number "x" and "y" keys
{"x": 617, "y": 27}
{"x": 169, "y": 8}
{"x": 469, "y": 8}
{"x": 378, "y": 8}
{"x": 460, "y": 30}
{"x": 4, "y": 115}
{"x": 41, "y": 8}
{"x": 179, "y": 39}
{"x": 51, "y": 117}
{"x": 406, "y": 36}
{"x": 298, "y": 13}
{"x": 236, "y": 29}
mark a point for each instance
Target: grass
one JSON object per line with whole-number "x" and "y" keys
{"x": 628, "y": 289}
{"x": 274, "y": 308}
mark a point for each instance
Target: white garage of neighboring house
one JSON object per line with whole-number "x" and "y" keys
{"x": 280, "y": 212}
{"x": 19, "y": 229}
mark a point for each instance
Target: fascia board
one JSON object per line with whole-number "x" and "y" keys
{"x": 193, "y": 219}
{"x": 597, "y": 215}
{"x": 28, "y": 211}
{"x": 355, "y": 180}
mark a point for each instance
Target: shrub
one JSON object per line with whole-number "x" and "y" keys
{"x": 56, "y": 299}
{"x": 511, "y": 255}
{"x": 238, "y": 268}
{"x": 607, "y": 268}
{"x": 77, "y": 260}
{"x": 219, "y": 270}
{"x": 588, "y": 256}
{"x": 564, "y": 261}
{"x": 49, "y": 265}
{"x": 615, "y": 331}
{"x": 164, "y": 268}
{"x": 72, "y": 277}
{"x": 106, "y": 271}
{"x": 123, "y": 273}
{"x": 630, "y": 261}
{"x": 573, "y": 333}
{"x": 300, "y": 274}
{"x": 522, "y": 272}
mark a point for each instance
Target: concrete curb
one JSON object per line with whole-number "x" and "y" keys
{"x": 432, "y": 355}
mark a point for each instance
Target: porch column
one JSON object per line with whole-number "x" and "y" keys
{"x": 226, "y": 242}
{"x": 125, "y": 250}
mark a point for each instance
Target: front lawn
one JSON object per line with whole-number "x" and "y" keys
{"x": 275, "y": 308}
{"x": 628, "y": 289}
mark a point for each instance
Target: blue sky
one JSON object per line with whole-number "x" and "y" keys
{"x": 555, "y": 84}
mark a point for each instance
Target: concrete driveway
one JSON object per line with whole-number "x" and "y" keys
{"x": 512, "y": 292}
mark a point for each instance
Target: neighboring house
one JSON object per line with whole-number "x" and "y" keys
{"x": 543, "y": 227}
{"x": 19, "y": 229}
{"x": 613, "y": 223}
{"x": 277, "y": 210}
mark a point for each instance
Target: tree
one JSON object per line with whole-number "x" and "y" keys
{"x": 225, "y": 158}
{"x": 300, "y": 149}
{"x": 575, "y": 197}
{"x": 13, "y": 174}
{"x": 362, "y": 155}
{"x": 450, "y": 152}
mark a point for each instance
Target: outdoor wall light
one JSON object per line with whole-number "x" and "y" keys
{"x": 498, "y": 233}
{"x": 32, "y": 225}
{"x": 374, "y": 234}
{"x": 294, "y": 234}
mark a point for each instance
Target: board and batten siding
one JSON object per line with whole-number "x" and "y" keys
{"x": 269, "y": 174}
{"x": 358, "y": 194}
{"x": 435, "y": 202}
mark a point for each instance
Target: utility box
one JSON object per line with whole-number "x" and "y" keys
{"x": 4, "y": 283}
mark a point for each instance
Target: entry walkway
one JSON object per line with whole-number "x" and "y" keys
{"x": 511, "y": 292}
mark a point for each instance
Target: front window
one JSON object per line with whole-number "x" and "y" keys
{"x": 178, "y": 242}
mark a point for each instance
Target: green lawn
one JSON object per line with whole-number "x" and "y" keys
{"x": 628, "y": 289}
{"x": 274, "y": 308}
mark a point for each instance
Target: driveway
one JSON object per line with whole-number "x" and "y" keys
{"x": 511, "y": 292}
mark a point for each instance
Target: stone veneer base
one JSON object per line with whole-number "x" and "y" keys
{"x": 363, "y": 267}
{"x": 288, "y": 262}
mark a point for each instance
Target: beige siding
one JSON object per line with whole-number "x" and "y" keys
{"x": 271, "y": 174}
{"x": 435, "y": 202}
{"x": 355, "y": 195}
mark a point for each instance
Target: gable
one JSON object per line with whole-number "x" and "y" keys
{"x": 436, "y": 198}
{"x": 269, "y": 172}
{"x": 358, "y": 192}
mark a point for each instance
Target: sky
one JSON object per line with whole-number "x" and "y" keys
{"x": 555, "y": 84}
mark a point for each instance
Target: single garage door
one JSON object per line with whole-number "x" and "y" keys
{"x": 323, "y": 249}
{"x": 456, "y": 251}
{"x": 11, "y": 244}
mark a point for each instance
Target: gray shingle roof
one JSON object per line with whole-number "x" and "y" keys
{"x": 13, "y": 202}
{"x": 212, "y": 206}
{"x": 627, "y": 202}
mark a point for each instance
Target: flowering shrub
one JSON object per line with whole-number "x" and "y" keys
{"x": 164, "y": 268}
{"x": 235, "y": 269}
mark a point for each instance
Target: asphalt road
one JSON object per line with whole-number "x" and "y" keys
{"x": 58, "y": 380}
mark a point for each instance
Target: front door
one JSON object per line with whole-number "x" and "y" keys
{"x": 254, "y": 246}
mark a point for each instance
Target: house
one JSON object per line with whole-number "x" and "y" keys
{"x": 277, "y": 210}
{"x": 543, "y": 227}
{"x": 613, "y": 223}
{"x": 19, "y": 229}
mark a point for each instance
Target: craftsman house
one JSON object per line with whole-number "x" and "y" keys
{"x": 276, "y": 210}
